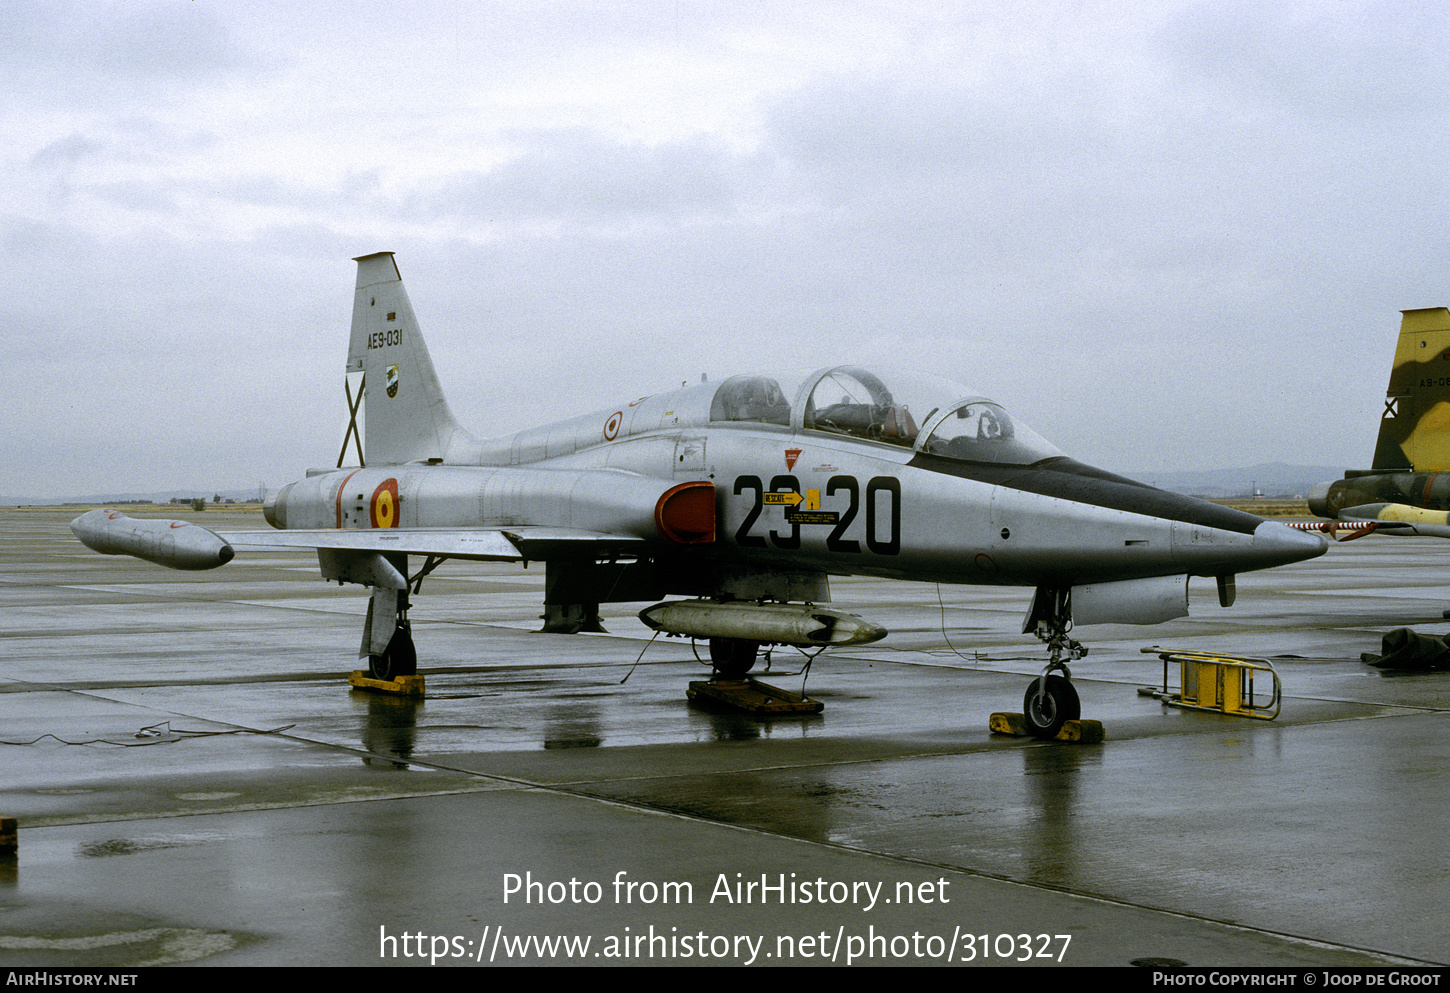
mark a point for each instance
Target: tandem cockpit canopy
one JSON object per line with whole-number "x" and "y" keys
{"x": 926, "y": 413}
{"x": 855, "y": 401}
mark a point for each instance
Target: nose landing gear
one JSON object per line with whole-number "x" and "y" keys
{"x": 1051, "y": 700}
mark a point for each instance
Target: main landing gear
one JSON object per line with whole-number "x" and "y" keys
{"x": 400, "y": 658}
{"x": 387, "y": 640}
{"x": 1051, "y": 700}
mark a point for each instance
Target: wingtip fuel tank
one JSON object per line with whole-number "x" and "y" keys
{"x": 176, "y": 544}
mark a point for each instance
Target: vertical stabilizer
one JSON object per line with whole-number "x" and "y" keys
{"x": 406, "y": 417}
{"x": 1415, "y": 426}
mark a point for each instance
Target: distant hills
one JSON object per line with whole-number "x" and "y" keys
{"x": 1272, "y": 479}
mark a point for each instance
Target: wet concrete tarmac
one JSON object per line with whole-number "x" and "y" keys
{"x": 195, "y": 782}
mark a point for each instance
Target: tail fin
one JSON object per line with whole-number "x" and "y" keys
{"x": 406, "y": 415}
{"x": 1415, "y": 427}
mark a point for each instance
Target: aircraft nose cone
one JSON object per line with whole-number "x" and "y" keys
{"x": 1274, "y": 544}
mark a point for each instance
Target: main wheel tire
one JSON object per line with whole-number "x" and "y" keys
{"x": 400, "y": 659}
{"x": 733, "y": 657}
{"x": 1045, "y": 717}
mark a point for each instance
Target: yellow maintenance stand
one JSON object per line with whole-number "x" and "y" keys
{"x": 1211, "y": 681}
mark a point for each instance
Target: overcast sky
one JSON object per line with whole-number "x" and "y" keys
{"x": 1167, "y": 235}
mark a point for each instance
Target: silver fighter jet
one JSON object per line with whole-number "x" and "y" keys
{"x": 742, "y": 496}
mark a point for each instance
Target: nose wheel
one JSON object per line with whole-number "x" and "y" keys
{"x": 1050, "y": 702}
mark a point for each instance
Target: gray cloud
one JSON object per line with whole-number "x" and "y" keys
{"x": 90, "y": 55}
{"x": 579, "y": 177}
{"x": 1168, "y": 235}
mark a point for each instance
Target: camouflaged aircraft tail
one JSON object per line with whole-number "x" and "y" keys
{"x": 406, "y": 417}
{"x": 1415, "y": 426}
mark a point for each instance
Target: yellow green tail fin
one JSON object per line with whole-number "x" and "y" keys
{"x": 1415, "y": 426}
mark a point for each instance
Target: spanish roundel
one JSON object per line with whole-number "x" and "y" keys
{"x": 384, "y": 508}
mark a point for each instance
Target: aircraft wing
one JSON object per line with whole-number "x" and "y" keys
{"x": 185, "y": 545}
{"x": 484, "y": 544}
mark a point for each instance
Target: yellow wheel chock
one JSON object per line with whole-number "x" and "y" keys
{"x": 1222, "y": 684}
{"x": 398, "y": 686}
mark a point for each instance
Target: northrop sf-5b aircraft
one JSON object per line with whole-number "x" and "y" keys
{"x": 742, "y": 496}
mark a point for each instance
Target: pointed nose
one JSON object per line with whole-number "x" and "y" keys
{"x": 1252, "y": 543}
{"x": 1274, "y": 544}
